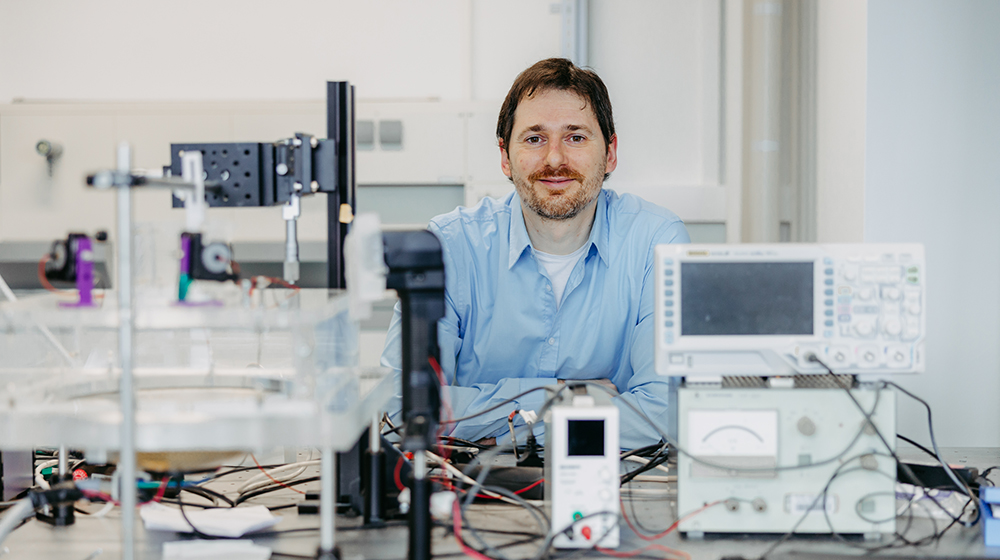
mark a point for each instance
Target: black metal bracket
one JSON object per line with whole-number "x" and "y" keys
{"x": 256, "y": 174}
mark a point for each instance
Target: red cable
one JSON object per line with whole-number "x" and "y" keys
{"x": 450, "y": 486}
{"x": 448, "y": 412}
{"x": 48, "y": 285}
{"x": 45, "y": 281}
{"x": 163, "y": 489}
{"x": 275, "y": 480}
{"x": 456, "y": 517}
{"x": 100, "y": 495}
{"x": 526, "y": 488}
{"x": 395, "y": 475}
{"x": 670, "y": 528}
{"x": 281, "y": 283}
{"x": 638, "y": 551}
{"x": 107, "y": 497}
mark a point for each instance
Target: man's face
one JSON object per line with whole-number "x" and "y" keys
{"x": 557, "y": 157}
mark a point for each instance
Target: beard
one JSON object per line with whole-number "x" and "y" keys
{"x": 558, "y": 205}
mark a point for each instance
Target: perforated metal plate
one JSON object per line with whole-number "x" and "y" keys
{"x": 236, "y": 166}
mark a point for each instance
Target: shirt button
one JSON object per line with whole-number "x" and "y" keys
{"x": 548, "y": 287}
{"x": 552, "y": 341}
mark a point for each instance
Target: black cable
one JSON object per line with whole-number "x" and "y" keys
{"x": 500, "y": 404}
{"x": 235, "y": 470}
{"x": 485, "y": 459}
{"x": 930, "y": 427}
{"x": 631, "y": 502}
{"x": 518, "y": 542}
{"x": 906, "y": 468}
{"x": 836, "y": 457}
{"x": 985, "y": 474}
{"x": 673, "y": 443}
{"x": 208, "y": 493}
{"x": 937, "y": 453}
{"x": 272, "y": 488}
{"x": 980, "y": 479}
{"x": 194, "y": 529}
{"x": 393, "y": 430}
{"x": 540, "y": 518}
{"x": 869, "y": 549}
{"x": 176, "y": 502}
{"x": 463, "y": 442}
{"x": 643, "y": 451}
{"x": 652, "y": 464}
{"x": 449, "y": 528}
{"x": 280, "y": 532}
{"x": 901, "y": 540}
{"x": 917, "y": 445}
{"x": 539, "y": 515}
{"x": 821, "y": 496}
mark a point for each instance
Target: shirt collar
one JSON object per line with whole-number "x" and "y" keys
{"x": 519, "y": 241}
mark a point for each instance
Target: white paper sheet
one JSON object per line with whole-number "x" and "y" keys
{"x": 218, "y": 522}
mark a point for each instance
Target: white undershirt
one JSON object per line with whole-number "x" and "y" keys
{"x": 559, "y": 268}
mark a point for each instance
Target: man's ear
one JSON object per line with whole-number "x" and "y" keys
{"x": 612, "y": 162}
{"x": 504, "y": 160}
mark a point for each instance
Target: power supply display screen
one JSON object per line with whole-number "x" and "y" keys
{"x": 747, "y": 298}
{"x": 585, "y": 438}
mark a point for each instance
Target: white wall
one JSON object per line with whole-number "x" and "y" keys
{"x": 933, "y": 176}
{"x": 234, "y": 49}
{"x": 841, "y": 52}
{"x": 91, "y": 74}
{"x": 258, "y": 49}
{"x": 235, "y": 70}
{"x": 661, "y": 62}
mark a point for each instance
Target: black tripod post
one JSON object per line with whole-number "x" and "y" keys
{"x": 416, "y": 272}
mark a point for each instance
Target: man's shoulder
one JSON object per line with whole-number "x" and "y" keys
{"x": 488, "y": 217}
{"x": 634, "y": 219}
{"x": 628, "y": 204}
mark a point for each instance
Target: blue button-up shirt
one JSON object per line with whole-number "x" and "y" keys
{"x": 503, "y": 331}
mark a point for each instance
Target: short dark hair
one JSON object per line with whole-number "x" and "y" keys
{"x": 562, "y": 74}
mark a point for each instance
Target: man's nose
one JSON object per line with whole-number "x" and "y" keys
{"x": 556, "y": 156}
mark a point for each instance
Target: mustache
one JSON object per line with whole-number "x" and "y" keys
{"x": 563, "y": 171}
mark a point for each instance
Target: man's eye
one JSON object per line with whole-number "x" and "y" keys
{"x": 533, "y": 140}
{"x": 577, "y": 138}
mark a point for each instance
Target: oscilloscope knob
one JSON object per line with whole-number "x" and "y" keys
{"x": 891, "y": 293}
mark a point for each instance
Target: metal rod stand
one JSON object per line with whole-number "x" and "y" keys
{"x": 126, "y": 463}
{"x": 420, "y": 522}
{"x": 374, "y": 510}
{"x": 328, "y": 506}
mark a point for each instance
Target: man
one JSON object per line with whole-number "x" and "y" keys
{"x": 555, "y": 281}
